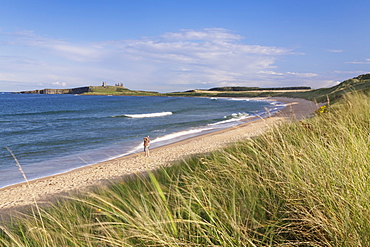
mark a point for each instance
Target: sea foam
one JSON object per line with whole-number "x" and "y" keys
{"x": 146, "y": 115}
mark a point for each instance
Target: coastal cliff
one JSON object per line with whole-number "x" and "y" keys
{"x": 78, "y": 90}
{"x": 93, "y": 90}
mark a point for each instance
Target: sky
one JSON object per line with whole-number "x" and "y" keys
{"x": 178, "y": 45}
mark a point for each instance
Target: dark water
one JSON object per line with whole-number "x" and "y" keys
{"x": 50, "y": 134}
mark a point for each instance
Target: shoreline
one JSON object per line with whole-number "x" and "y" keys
{"x": 72, "y": 161}
{"x": 79, "y": 179}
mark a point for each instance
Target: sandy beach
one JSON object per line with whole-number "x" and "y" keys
{"x": 41, "y": 190}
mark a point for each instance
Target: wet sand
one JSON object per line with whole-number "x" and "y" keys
{"x": 43, "y": 189}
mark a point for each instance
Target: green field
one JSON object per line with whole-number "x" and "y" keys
{"x": 115, "y": 90}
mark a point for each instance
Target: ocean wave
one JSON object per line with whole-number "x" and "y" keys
{"x": 180, "y": 134}
{"x": 146, "y": 115}
{"x": 240, "y": 115}
{"x": 232, "y": 118}
{"x": 170, "y": 138}
{"x": 241, "y": 99}
{"x": 229, "y": 121}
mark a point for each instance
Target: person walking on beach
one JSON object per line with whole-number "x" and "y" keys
{"x": 146, "y": 145}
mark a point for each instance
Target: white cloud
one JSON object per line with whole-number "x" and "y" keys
{"x": 367, "y": 61}
{"x": 196, "y": 47}
{"x": 63, "y": 84}
{"x": 356, "y": 72}
{"x": 336, "y": 51}
{"x": 302, "y": 74}
{"x": 209, "y": 34}
{"x": 212, "y": 56}
{"x": 76, "y": 52}
{"x": 270, "y": 73}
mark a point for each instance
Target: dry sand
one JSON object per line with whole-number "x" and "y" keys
{"x": 43, "y": 189}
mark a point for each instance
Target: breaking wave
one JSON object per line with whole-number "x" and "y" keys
{"x": 146, "y": 115}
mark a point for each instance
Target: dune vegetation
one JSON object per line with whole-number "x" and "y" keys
{"x": 302, "y": 184}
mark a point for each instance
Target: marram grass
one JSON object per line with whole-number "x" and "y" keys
{"x": 302, "y": 184}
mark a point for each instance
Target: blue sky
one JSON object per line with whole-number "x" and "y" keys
{"x": 178, "y": 45}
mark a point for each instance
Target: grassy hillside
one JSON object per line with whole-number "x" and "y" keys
{"x": 360, "y": 83}
{"x": 298, "y": 185}
{"x": 116, "y": 90}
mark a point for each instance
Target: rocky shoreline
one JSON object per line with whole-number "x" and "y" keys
{"x": 78, "y": 90}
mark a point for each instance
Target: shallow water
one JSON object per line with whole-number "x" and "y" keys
{"x": 50, "y": 134}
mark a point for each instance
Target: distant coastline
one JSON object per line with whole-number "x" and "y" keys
{"x": 118, "y": 90}
{"x": 361, "y": 83}
{"x": 78, "y": 90}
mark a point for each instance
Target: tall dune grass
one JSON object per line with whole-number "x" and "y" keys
{"x": 302, "y": 184}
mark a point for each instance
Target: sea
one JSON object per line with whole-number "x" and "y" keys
{"x": 43, "y": 135}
